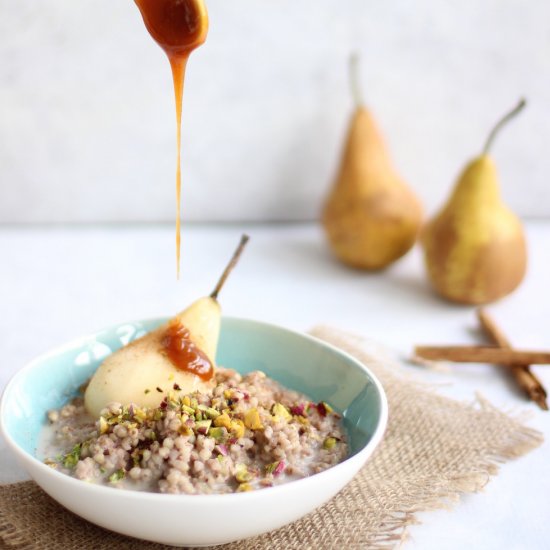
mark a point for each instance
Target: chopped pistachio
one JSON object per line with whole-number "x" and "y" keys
{"x": 216, "y": 402}
{"x": 117, "y": 476}
{"x": 51, "y": 463}
{"x": 140, "y": 415}
{"x": 71, "y": 459}
{"x": 219, "y": 434}
{"x": 135, "y": 457}
{"x": 103, "y": 425}
{"x": 211, "y": 413}
{"x": 329, "y": 443}
{"x": 223, "y": 420}
{"x": 202, "y": 426}
{"x": 252, "y": 420}
{"x": 237, "y": 428}
{"x": 280, "y": 411}
{"x": 242, "y": 475}
{"x": 244, "y": 488}
{"x": 185, "y": 430}
{"x": 186, "y": 401}
{"x": 172, "y": 399}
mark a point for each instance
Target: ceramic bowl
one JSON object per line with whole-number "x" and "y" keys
{"x": 298, "y": 361}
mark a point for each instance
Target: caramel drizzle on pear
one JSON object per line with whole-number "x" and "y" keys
{"x": 177, "y": 342}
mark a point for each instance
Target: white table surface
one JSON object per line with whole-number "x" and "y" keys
{"x": 62, "y": 282}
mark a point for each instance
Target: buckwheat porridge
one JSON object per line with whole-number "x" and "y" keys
{"x": 249, "y": 433}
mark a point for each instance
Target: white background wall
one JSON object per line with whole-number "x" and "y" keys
{"x": 87, "y": 123}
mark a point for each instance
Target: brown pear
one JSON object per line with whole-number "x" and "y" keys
{"x": 371, "y": 217}
{"x": 475, "y": 248}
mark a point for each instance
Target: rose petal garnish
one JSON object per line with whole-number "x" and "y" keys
{"x": 299, "y": 410}
{"x": 324, "y": 408}
{"x": 280, "y": 468}
{"x": 222, "y": 449}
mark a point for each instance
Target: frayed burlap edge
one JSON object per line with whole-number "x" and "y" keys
{"x": 435, "y": 450}
{"x": 517, "y": 440}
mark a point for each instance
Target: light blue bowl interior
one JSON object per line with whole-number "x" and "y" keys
{"x": 299, "y": 363}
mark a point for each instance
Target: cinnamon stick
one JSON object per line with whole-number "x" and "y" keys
{"x": 522, "y": 373}
{"x": 483, "y": 354}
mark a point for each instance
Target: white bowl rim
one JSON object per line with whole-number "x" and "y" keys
{"x": 361, "y": 456}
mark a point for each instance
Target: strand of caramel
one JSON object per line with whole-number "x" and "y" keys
{"x": 178, "y": 65}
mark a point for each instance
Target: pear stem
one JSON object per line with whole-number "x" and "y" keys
{"x": 496, "y": 129}
{"x": 232, "y": 263}
{"x": 356, "y": 91}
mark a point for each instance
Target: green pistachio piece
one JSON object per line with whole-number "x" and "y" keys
{"x": 223, "y": 420}
{"x": 219, "y": 434}
{"x": 252, "y": 420}
{"x": 242, "y": 475}
{"x": 212, "y": 413}
{"x": 188, "y": 410}
{"x": 329, "y": 443}
{"x": 280, "y": 411}
{"x": 103, "y": 425}
{"x": 117, "y": 476}
{"x": 71, "y": 459}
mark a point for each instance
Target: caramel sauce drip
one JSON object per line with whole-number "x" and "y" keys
{"x": 178, "y": 27}
{"x": 184, "y": 354}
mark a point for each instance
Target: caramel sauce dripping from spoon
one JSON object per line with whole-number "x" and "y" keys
{"x": 178, "y": 27}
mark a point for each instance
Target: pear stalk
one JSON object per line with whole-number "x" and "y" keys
{"x": 502, "y": 122}
{"x": 356, "y": 90}
{"x": 229, "y": 268}
{"x": 370, "y": 216}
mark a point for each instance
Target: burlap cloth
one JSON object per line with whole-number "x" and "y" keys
{"x": 434, "y": 450}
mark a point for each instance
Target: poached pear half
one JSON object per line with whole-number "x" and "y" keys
{"x": 181, "y": 352}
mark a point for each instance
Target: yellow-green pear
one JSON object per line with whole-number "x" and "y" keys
{"x": 371, "y": 217}
{"x": 181, "y": 352}
{"x": 475, "y": 248}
